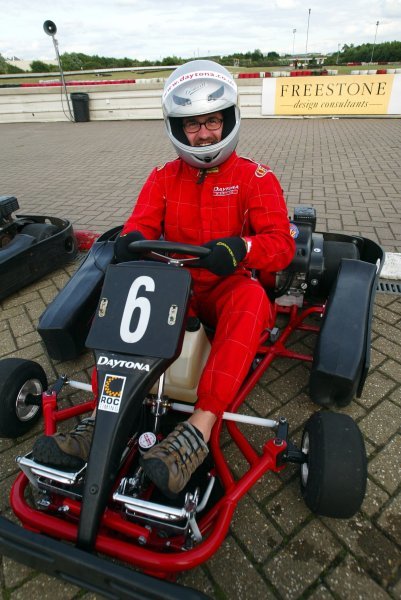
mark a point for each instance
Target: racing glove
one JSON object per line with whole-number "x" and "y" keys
{"x": 121, "y": 251}
{"x": 226, "y": 254}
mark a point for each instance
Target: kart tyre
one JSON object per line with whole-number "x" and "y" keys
{"x": 40, "y": 231}
{"x": 18, "y": 378}
{"x": 333, "y": 478}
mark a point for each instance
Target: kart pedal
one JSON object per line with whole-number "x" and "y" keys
{"x": 34, "y": 470}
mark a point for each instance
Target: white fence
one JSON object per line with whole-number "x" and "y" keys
{"x": 258, "y": 98}
{"x": 106, "y": 102}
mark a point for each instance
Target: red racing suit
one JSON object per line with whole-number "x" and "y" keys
{"x": 237, "y": 198}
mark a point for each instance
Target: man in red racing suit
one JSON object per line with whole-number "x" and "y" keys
{"x": 233, "y": 206}
{"x": 238, "y": 199}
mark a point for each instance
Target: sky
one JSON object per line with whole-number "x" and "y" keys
{"x": 153, "y": 30}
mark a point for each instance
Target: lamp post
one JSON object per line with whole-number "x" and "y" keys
{"x": 51, "y": 29}
{"x": 307, "y": 32}
{"x": 293, "y": 41}
{"x": 374, "y": 43}
{"x": 338, "y": 53}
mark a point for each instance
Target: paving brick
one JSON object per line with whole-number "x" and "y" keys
{"x": 374, "y": 551}
{"x": 297, "y": 566}
{"x": 391, "y": 369}
{"x": 321, "y": 593}
{"x": 235, "y": 575}
{"x": 382, "y": 422}
{"x": 46, "y": 588}
{"x": 7, "y": 344}
{"x": 384, "y": 316}
{"x": 395, "y": 396}
{"x": 197, "y": 579}
{"x": 350, "y": 582}
{"x": 297, "y": 379}
{"x": 27, "y": 340}
{"x": 374, "y": 500}
{"x": 260, "y": 401}
{"x": 288, "y": 508}
{"x": 254, "y": 531}
{"x": 385, "y": 467}
{"x": 390, "y": 519}
{"x": 390, "y": 348}
{"x": 15, "y": 573}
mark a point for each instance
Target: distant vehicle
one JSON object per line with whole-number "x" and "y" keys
{"x": 31, "y": 246}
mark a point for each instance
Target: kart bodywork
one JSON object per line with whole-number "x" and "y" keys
{"x": 31, "y": 246}
{"x": 133, "y": 316}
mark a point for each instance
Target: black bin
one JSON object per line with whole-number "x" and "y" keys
{"x": 80, "y": 106}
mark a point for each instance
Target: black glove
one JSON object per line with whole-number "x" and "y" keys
{"x": 121, "y": 251}
{"x": 226, "y": 254}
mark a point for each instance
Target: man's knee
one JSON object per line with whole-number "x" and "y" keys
{"x": 252, "y": 297}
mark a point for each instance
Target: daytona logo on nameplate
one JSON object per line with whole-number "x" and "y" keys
{"x": 122, "y": 364}
{"x": 112, "y": 392}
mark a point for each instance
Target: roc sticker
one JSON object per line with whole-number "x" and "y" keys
{"x": 294, "y": 231}
{"x": 112, "y": 392}
{"x": 261, "y": 171}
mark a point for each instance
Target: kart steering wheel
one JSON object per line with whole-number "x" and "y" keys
{"x": 155, "y": 247}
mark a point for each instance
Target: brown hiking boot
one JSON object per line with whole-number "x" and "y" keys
{"x": 171, "y": 463}
{"x": 68, "y": 451}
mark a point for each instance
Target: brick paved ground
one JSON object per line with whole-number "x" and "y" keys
{"x": 350, "y": 170}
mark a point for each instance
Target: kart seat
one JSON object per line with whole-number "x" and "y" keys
{"x": 342, "y": 353}
{"x": 19, "y": 243}
{"x": 65, "y": 323}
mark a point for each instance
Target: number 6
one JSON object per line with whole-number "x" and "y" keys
{"x": 133, "y": 302}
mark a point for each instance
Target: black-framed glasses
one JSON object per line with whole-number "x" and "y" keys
{"x": 194, "y": 126}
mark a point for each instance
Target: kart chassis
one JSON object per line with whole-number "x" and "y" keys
{"x": 157, "y": 536}
{"x": 211, "y": 528}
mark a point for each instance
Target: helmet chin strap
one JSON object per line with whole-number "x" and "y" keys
{"x": 207, "y": 159}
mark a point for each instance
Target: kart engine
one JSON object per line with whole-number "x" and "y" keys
{"x": 315, "y": 265}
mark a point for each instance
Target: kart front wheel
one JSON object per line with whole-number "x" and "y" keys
{"x": 334, "y": 474}
{"x": 20, "y": 380}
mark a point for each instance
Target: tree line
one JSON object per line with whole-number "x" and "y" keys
{"x": 385, "y": 52}
{"x": 77, "y": 61}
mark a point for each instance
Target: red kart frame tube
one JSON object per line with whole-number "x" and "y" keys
{"x": 165, "y": 560}
{"x": 151, "y": 561}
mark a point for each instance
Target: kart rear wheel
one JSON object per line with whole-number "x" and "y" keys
{"x": 40, "y": 231}
{"x": 19, "y": 378}
{"x": 333, "y": 477}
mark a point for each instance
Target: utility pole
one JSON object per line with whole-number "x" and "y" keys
{"x": 293, "y": 41}
{"x": 338, "y": 53}
{"x": 307, "y": 32}
{"x": 374, "y": 43}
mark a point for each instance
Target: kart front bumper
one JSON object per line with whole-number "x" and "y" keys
{"x": 84, "y": 569}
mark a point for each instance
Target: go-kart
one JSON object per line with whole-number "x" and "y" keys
{"x": 31, "y": 246}
{"x": 133, "y": 316}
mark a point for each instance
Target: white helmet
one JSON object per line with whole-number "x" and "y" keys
{"x": 196, "y": 88}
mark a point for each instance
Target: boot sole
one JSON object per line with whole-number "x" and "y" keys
{"x": 48, "y": 452}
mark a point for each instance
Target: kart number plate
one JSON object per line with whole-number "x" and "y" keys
{"x": 142, "y": 310}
